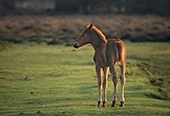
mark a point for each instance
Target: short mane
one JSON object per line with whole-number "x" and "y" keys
{"x": 100, "y": 33}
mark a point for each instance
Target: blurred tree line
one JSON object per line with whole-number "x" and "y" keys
{"x": 139, "y": 7}
{"x": 160, "y": 7}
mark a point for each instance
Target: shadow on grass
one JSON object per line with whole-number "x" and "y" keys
{"x": 155, "y": 96}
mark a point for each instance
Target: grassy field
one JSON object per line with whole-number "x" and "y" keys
{"x": 58, "y": 80}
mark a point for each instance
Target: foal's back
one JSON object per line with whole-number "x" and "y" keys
{"x": 116, "y": 52}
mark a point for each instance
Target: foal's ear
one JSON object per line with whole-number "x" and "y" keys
{"x": 90, "y": 26}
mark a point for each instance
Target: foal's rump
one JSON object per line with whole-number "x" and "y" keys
{"x": 116, "y": 51}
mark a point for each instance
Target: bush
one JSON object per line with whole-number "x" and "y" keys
{"x": 55, "y": 42}
{"x": 5, "y": 45}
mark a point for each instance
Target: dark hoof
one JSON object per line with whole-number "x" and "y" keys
{"x": 99, "y": 104}
{"x": 122, "y": 104}
{"x": 113, "y": 104}
{"x": 104, "y": 104}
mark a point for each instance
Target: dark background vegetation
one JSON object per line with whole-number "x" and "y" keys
{"x": 60, "y": 21}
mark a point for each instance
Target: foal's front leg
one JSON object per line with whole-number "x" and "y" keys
{"x": 99, "y": 77}
{"x": 105, "y": 85}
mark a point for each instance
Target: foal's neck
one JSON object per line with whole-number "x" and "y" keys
{"x": 98, "y": 42}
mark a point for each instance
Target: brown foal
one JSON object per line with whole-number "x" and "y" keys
{"x": 107, "y": 54}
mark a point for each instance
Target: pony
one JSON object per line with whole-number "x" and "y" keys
{"x": 107, "y": 54}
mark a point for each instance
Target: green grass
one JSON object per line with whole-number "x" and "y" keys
{"x": 57, "y": 80}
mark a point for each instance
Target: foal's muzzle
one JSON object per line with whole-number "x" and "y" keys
{"x": 75, "y": 45}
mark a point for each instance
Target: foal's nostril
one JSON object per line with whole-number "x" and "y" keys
{"x": 75, "y": 45}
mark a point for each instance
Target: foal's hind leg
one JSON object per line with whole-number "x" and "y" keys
{"x": 123, "y": 81}
{"x": 115, "y": 80}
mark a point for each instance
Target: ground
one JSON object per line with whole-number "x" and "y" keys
{"x": 58, "y": 80}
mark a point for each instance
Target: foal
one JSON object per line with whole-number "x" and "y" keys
{"x": 107, "y": 54}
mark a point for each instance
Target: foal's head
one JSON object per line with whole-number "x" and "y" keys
{"x": 84, "y": 37}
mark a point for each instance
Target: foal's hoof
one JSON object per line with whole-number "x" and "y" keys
{"x": 122, "y": 103}
{"x": 104, "y": 104}
{"x": 113, "y": 104}
{"x": 99, "y": 104}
